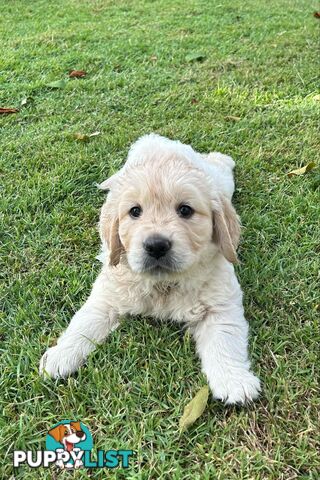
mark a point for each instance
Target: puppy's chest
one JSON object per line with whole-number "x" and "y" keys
{"x": 172, "y": 302}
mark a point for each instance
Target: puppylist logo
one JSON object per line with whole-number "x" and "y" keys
{"x": 69, "y": 445}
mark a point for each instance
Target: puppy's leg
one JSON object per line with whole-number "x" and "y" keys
{"x": 89, "y": 326}
{"x": 221, "y": 340}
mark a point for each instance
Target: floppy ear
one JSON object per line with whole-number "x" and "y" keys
{"x": 57, "y": 433}
{"x": 109, "y": 222}
{"x": 107, "y": 184}
{"x": 76, "y": 425}
{"x": 114, "y": 243}
{"x": 109, "y": 232}
{"x": 226, "y": 228}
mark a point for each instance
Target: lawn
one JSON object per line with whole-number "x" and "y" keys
{"x": 250, "y": 90}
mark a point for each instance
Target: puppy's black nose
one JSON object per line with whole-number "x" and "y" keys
{"x": 80, "y": 434}
{"x": 157, "y": 246}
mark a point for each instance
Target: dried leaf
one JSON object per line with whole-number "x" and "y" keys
{"x": 194, "y": 101}
{"x": 233, "y": 118}
{"x": 77, "y": 74}
{"x": 195, "y": 57}
{"x": 8, "y": 110}
{"x": 316, "y": 14}
{"x": 194, "y": 409}
{"x": 302, "y": 170}
{"x": 57, "y": 84}
{"x": 84, "y": 137}
{"x": 153, "y": 58}
{"x": 24, "y": 101}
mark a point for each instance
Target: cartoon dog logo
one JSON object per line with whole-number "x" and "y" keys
{"x": 68, "y": 435}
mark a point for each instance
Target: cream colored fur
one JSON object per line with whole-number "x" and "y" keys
{"x": 200, "y": 289}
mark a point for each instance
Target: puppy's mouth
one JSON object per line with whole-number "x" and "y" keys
{"x": 69, "y": 446}
{"x": 160, "y": 266}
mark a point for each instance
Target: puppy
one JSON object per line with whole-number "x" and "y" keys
{"x": 169, "y": 236}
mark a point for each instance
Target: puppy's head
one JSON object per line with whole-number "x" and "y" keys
{"x": 161, "y": 214}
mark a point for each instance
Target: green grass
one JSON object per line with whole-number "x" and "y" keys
{"x": 260, "y": 66}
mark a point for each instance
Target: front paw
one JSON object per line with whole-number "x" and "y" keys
{"x": 59, "y": 362}
{"x": 235, "y": 387}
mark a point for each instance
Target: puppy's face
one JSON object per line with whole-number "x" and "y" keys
{"x": 162, "y": 217}
{"x": 164, "y": 220}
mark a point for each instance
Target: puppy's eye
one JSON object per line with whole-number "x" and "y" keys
{"x": 135, "y": 212}
{"x": 185, "y": 211}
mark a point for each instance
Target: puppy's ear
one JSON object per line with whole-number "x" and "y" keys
{"x": 109, "y": 231}
{"x": 57, "y": 433}
{"x": 76, "y": 425}
{"x": 109, "y": 222}
{"x": 226, "y": 228}
{"x": 114, "y": 242}
{"x": 107, "y": 184}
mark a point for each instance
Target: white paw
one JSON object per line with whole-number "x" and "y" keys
{"x": 238, "y": 387}
{"x": 59, "y": 362}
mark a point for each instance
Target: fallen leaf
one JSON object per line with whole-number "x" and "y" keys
{"x": 24, "y": 101}
{"x": 57, "y": 84}
{"x": 233, "y": 118}
{"x": 195, "y": 57}
{"x": 194, "y": 409}
{"x": 84, "y": 137}
{"x": 302, "y": 170}
{"x": 316, "y": 14}
{"x": 77, "y": 74}
{"x": 153, "y": 58}
{"x": 8, "y": 110}
{"x": 194, "y": 101}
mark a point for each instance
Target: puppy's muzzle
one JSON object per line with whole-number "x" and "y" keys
{"x": 157, "y": 246}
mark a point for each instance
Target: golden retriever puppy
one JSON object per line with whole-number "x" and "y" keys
{"x": 169, "y": 236}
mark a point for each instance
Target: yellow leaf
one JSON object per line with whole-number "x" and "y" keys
{"x": 83, "y": 137}
{"x": 232, "y": 117}
{"x": 194, "y": 409}
{"x": 302, "y": 170}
